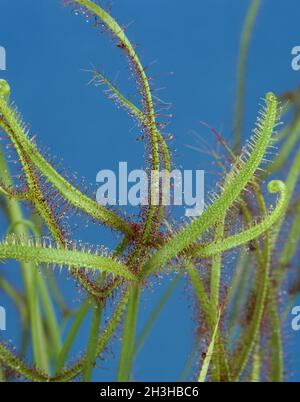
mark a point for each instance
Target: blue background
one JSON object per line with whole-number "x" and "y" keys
{"x": 194, "y": 46}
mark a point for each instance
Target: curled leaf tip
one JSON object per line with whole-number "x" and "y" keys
{"x": 270, "y": 97}
{"x": 276, "y": 186}
{"x": 4, "y": 89}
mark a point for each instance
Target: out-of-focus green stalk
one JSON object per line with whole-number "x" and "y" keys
{"x": 129, "y": 332}
{"x": 155, "y": 313}
{"x": 29, "y": 272}
{"x": 241, "y": 72}
{"x": 79, "y": 317}
{"x": 91, "y": 352}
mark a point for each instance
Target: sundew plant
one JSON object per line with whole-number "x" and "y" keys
{"x": 237, "y": 258}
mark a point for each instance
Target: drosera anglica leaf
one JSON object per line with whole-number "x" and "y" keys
{"x": 15, "y": 128}
{"x": 33, "y": 250}
{"x": 236, "y": 181}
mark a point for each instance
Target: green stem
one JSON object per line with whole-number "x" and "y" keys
{"x": 253, "y": 331}
{"x": 64, "y": 352}
{"x": 256, "y": 364}
{"x": 209, "y": 354}
{"x": 241, "y": 72}
{"x": 205, "y": 305}
{"x": 276, "y": 369}
{"x": 29, "y": 276}
{"x": 10, "y": 360}
{"x": 155, "y": 313}
{"x": 91, "y": 352}
{"x": 129, "y": 332}
{"x": 215, "y": 279}
{"x": 51, "y": 321}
